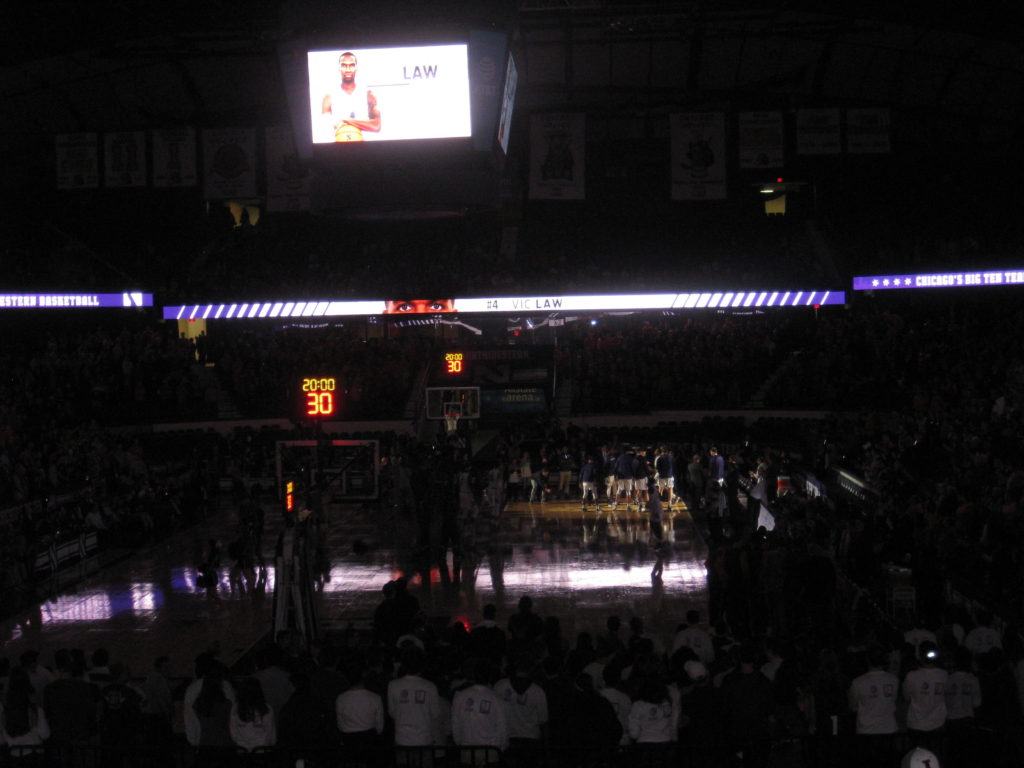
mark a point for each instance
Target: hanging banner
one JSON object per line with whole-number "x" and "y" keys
{"x": 486, "y": 71}
{"x": 124, "y": 159}
{"x": 698, "y": 155}
{"x": 867, "y": 131}
{"x": 761, "y": 139}
{"x": 174, "y": 157}
{"x": 817, "y": 132}
{"x": 557, "y": 158}
{"x": 77, "y": 161}
{"x": 287, "y": 175}
{"x": 229, "y": 163}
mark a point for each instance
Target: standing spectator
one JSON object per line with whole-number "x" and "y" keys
{"x": 963, "y": 696}
{"x": 526, "y": 705}
{"x": 414, "y": 704}
{"x": 694, "y": 484}
{"x": 983, "y": 638}
{"x": 592, "y": 729}
{"x": 274, "y": 679}
{"x": 696, "y": 638}
{"x": 652, "y": 718}
{"x": 614, "y": 691}
{"x": 159, "y": 706}
{"x": 566, "y": 466}
{"x": 925, "y": 691}
{"x": 487, "y": 640}
{"x": 524, "y": 626}
{"x": 209, "y": 680}
{"x": 530, "y": 478}
{"x": 873, "y": 698}
{"x": 211, "y": 711}
{"x": 665, "y": 474}
{"x": 588, "y": 483}
{"x": 70, "y": 703}
{"x": 38, "y": 675}
{"x": 121, "y": 723}
{"x": 919, "y": 633}
{"x": 747, "y": 703}
{"x": 304, "y": 721}
{"x": 359, "y": 714}
{"x": 22, "y": 722}
{"x": 252, "y": 719}
{"x": 700, "y": 716}
{"x": 480, "y": 718}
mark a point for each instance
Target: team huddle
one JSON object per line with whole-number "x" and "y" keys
{"x": 630, "y": 476}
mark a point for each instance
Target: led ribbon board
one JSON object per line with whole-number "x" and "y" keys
{"x": 508, "y": 305}
{"x": 75, "y": 300}
{"x": 939, "y": 280}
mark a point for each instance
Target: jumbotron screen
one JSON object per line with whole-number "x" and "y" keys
{"x": 386, "y": 94}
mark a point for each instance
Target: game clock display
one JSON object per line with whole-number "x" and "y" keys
{"x": 319, "y": 396}
{"x": 454, "y": 363}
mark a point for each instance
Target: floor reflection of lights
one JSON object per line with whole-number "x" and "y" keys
{"x": 155, "y": 602}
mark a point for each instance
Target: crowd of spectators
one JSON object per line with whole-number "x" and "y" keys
{"x": 680, "y": 363}
{"x": 696, "y": 694}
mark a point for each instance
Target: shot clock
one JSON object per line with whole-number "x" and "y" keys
{"x": 454, "y": 363}
{"x": 318, "y": 397}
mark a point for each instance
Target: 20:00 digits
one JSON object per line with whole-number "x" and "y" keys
{"x": 319, "y": 385}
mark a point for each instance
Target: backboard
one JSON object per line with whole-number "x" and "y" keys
{"x": 444, "y": 401}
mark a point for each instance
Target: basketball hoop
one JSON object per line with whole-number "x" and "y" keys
{"x": 451, "y": 422}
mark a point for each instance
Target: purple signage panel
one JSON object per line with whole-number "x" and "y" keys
{"x": 74, "y": 300}
{"x": 508, "y": 305}
{"x": 940, "y": 280}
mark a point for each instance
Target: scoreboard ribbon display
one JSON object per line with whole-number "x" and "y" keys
{"x": 509, "y": 305}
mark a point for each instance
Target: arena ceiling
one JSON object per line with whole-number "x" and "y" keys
{"x": 71, "y": 66}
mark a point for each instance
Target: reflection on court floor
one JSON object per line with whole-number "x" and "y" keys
{"x": 580, "y": 566}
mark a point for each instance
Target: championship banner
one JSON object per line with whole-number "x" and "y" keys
{"x": 557, "y": 156}
{"x": 867, "y": 131}
{"x": 124, "y": 159}
{"x": 287, "y": 175}
{"x": 77, "y": 161}
{"x": 761, "y": 139}
{"x": 229, "y": 163}
{"x": 817, "y": 132}
{"x": 174, "y": 157}
{"x": 698, "y": 155}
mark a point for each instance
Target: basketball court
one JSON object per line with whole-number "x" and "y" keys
{"x": 579, "y": 565}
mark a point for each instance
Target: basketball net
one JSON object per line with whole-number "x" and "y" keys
{"x": 451, "y": 422}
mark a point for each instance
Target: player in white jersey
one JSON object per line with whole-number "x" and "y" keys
{"x": 350, "y": 108}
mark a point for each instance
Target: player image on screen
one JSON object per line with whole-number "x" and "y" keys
{"x": 418, "y": 306}
{"x": 351, "y": 108}
{"x": 423, "y": 89}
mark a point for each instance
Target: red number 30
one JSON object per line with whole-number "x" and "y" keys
{"x": 319, "y": 403}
